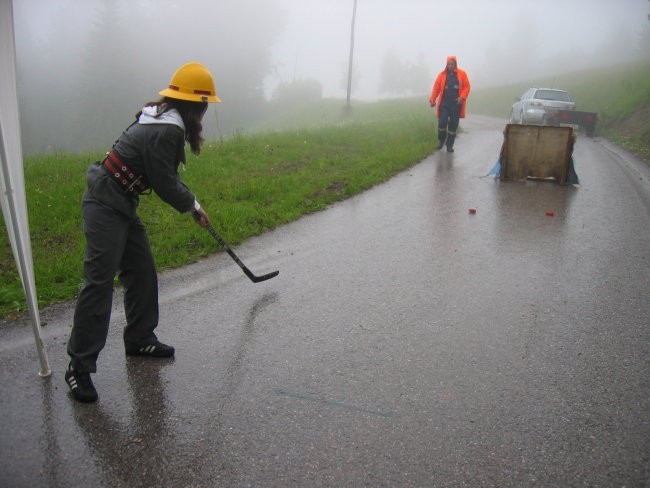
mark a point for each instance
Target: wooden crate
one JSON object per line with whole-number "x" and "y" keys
{"x": 536, "y": 151}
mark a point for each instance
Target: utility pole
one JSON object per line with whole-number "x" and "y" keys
{"x": 347, "y": 111}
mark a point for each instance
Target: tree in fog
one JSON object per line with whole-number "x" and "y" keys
{"x": 110, "y": 86}
{"x": 644, "y": 40}
{"x": 93, "y": 76}
{"x": 517, "y": 58}
{"x": 399, "y": 77}
{"x": 298, "y": 92}
{"x": 47, "y": 66}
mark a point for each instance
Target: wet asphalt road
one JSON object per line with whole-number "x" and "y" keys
{"x": 405, "y": 343}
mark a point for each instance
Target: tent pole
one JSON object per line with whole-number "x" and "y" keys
{"x": 27, "y": 277}
{"x": 22, "y": 245}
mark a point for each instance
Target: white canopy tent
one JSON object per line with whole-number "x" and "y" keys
{"x": 12, "y": 177}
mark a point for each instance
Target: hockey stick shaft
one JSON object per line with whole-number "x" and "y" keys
{"x": 247, "y": 272}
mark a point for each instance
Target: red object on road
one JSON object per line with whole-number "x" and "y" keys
{"x": 472, "y": 210}
{"x": 549, "y": 213}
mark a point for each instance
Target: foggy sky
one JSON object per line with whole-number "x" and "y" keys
{"x": 484, "y": 34}
{"x": 84, "y": 66}
{"x": 487, "y": 36}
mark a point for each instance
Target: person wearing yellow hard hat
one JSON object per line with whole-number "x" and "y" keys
{"x": 144, "y": 158}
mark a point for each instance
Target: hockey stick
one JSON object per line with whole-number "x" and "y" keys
{"x": 247, "y": 272}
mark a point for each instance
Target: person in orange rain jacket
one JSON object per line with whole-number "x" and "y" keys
{"x": 449, "y": 94}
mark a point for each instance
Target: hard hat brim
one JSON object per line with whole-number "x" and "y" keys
{"x": 190, "y": 97}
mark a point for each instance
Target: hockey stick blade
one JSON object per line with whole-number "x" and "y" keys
{"x": 247, "y": 272}
{"x": 257, "y": 279}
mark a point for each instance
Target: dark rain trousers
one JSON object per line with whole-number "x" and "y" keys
{"x": 115, "y": 244}
{"x": 448, "y": 123}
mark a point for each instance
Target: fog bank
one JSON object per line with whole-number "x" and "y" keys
{"x": 86, "y": 66}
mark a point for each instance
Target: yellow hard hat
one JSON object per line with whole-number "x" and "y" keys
{"x": 192, "y": 82}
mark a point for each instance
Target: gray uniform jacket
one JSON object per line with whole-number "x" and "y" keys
{"x": 154, "y": 151}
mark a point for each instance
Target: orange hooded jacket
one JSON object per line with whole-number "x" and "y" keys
{"x": 439, "y": 86}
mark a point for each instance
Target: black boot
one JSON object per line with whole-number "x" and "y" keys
{"x": 450, "y": 142}
{"x": 442, "y": 135}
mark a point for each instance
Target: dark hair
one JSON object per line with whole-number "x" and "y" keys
{"x": 191, "y": 113}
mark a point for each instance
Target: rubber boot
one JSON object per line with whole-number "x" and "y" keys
{"x": 442, "y": 135}
{"x": 450, "y": 142}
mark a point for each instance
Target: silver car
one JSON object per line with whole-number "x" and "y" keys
{"x": 533, "y": 106}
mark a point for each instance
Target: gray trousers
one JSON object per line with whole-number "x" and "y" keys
{"x": 115, "y": 244}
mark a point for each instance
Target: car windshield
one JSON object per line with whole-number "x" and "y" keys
{"x": 558, "y": 95}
